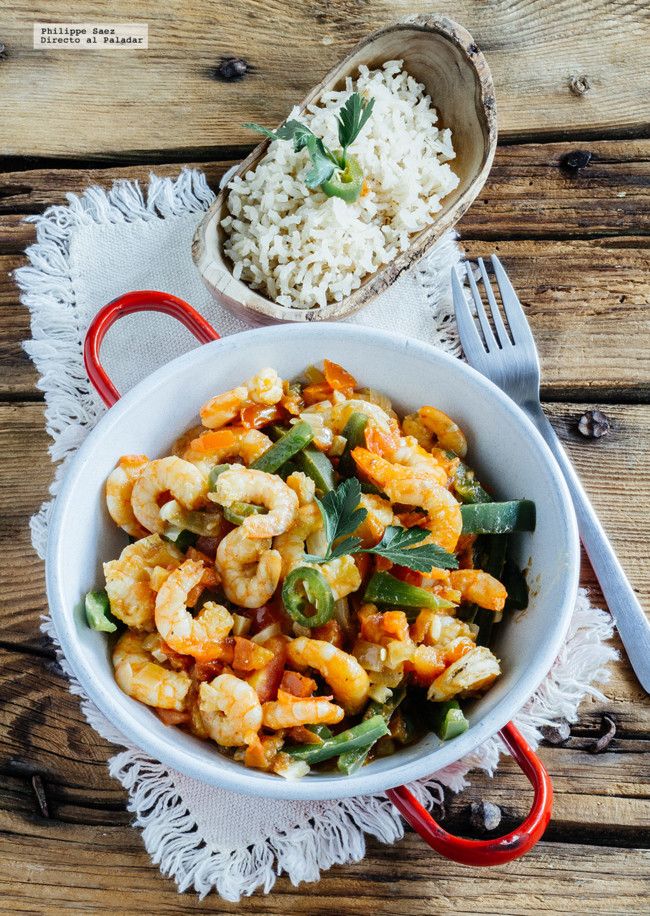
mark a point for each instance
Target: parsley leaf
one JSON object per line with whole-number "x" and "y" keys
{"x": 352, "y": 118}
{"x": 341, "y": 516}
{"x": 399, "y": 546}
{"x": 323, "y": 162}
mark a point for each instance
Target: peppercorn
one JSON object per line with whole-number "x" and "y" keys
{"x": 575, "y": 160}
{"x": 231, "y": 69}
{"x": 593, "y": 424}
{"x": 484, "y": 816}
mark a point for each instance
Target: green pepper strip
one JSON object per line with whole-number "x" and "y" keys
{"x": 285, "y": 448}
{"x": 386, "y": 589}
{"x": 317, "y": 466}
{"x": 516, "y": 586}
{"x": 236, "y": 513}
{"x": 321, "y": 730}
{"x": 360, "y": 736}
{"x": 354, "y": 432}
{"x": 449, "y": 720}
{"x": 98, "y": 612}
{"x": 180, "y": 537}
{"x": 214, "y": 474}
{"x": 351, "y": 761}
{"x": 498, "y": 518}
{"x": 306, "y": 586}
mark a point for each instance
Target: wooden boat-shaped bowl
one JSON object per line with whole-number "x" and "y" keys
{"x": 442, "y": 55}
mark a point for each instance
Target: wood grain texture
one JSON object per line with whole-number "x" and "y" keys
{"x": 117, "y": 103}
{"x": 586, "y": 296}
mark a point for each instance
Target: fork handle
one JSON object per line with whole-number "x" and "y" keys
{"x": 631, "y": 621}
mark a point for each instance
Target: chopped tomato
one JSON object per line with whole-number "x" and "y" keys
{"x": 214, "y": 440}
{"x": 249, "y": 656}
{"x": 298, "y": 684}
{"x": 382, "y": 564}
{"x": 411, "y": 576}
{"x": 412, "y": 519}
{"x": 255, "y": 416}
{"x": 262, "y": 751}
{"x": 302, "y": 735}
{"x": 395, "y": 624}
{"x": 173, "y": 716}
{"x": 291, "y": 401}
{"x": 319, "y": 391}
{"x": 425, "y": 665}
{"x": 207, "y": 671}
{"x": 338, "y": 377}
{"x": 329, "y": 632}
{"x": 267, "y": 680}
{"x": 262, "y": 617}
{"x": 208, "y": 546}
{"x": 363, "y": 562}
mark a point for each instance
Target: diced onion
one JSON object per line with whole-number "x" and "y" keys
{"x": 273, "y": 629}
{"x": 288, "y": 768}
{"x": 380, "y": 694}
{"x": 369, "y": 655}
{"x": 241, "y": 625}
{"x": 398, "y": 652}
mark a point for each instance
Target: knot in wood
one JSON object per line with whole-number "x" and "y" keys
{"x": 575, "y": 160}
{"x": 579, "y": 85}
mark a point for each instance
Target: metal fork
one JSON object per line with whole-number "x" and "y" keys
{"x": 511, "y": 362}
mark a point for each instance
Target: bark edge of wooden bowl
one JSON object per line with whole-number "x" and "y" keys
{"x": 458, "y": 79}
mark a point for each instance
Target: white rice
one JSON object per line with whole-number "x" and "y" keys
{"x": 302, "y": 248}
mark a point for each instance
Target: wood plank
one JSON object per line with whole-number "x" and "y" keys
{"x": 65, "y": 103}
{"x": 83, "y": 869}
{"x": 604, "y": 465}
{"x": 531, "y": 193}
{"x": 586, "y": 301}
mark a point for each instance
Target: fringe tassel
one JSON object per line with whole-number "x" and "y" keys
{"x": 334, "y": 832}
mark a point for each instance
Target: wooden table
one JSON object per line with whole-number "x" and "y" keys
{"x": 573, "y": 232}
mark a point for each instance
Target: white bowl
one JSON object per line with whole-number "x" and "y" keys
{"x": 506, "y": 449}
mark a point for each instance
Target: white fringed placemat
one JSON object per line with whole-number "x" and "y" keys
{"x": 105, "y": 243}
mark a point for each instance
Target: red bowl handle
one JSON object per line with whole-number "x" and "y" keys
{"x": 498, "y": 850}
{"x": 143, "y": 300}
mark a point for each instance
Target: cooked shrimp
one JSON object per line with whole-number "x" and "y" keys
{"x": 433, "y": 628}
{"x": 479, "y": 587}
{"x": 128, "y": 582}
{"x": 410, "y": 454}
{"x": 447, "y": 433}
{"x": 265, "y": 387}
{"x": 303, "y": 486}
{"x": 119, "y": 487}
{"x": 288, "y": 711}
{"x": 172, "y": 475}
{"x": 250, "y": 569}
{"x": 262, "y": 489}
{"x": 380, "y": 516}
{"x": 405, "y": 485}
{"x": 472, "y": 673}
{"x": 201, "y": 636}
{"x": 344, "y": 674}
{"x": 291, "y": 544}
{"x": 230, "y": 710}
{"x": 141, "y": 678}
{"x": 341, "y": 413}
{"x": 220, "y": 445}
{"x": 224, "y": 407}
{"x": 341, "y": 574}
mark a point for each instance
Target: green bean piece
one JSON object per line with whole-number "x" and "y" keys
{"x": 386, "y": 589}
{"x": 516, "y": 585}
{"x": 306, "y": 586}
{"x": 362, "y": 735}
{"x": 354, "y": 434}
{"x": 236, "y": 513}
{"x": 467, "y": 487}
{"x": 317, "y": 466}
{"x": 498, "y": 518}
{"x": 322, "y": 731}
{"x": 351, "y": 761}
{"x": 98, "y": 612}
{"x": 449, "y": 720}
{"x": 285, "y": 448}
